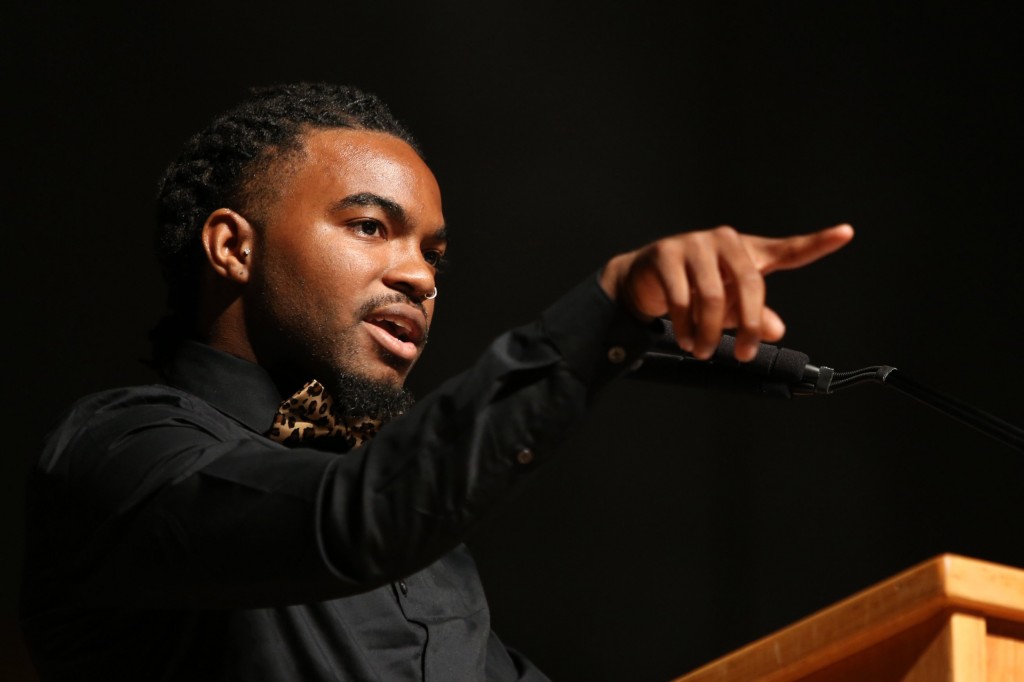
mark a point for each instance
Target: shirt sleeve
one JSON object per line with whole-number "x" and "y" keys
{"x": 173, "y": 507}
{"x": 505, "y": 664}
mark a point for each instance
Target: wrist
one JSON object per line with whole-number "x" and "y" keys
{"x": 613, "y": 281}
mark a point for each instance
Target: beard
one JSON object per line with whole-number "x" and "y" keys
{"x": 299, "y": 344}
{"x": 358, "y": 396}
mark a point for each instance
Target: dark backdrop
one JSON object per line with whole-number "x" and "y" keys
{"x": 677, "y": 524}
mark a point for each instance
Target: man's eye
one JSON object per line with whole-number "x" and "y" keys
{"x": 435, "y": 259}
{"x": 369, "y": 228}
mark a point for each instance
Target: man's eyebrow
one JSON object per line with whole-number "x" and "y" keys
{"x": 440, "y": 234}
{"x": 394, "y": 210}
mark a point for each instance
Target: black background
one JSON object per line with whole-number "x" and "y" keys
{"x": 676, "y": 524}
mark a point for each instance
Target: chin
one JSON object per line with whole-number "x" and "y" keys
{"x": 380, "y": 394}
{"x": 380, "y": 368}
{"x": 394, "y": 379}
{"x": 394, "y": 369}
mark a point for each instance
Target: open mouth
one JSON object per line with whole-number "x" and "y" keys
{"x": 400, "y": 329}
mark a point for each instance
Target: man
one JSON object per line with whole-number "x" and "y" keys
{"x": 279, "y": 509}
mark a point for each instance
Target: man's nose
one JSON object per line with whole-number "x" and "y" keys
{"x": 409, "y": 272}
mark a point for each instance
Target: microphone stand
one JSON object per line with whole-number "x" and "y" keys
{"x": 782, "y": 372}
{"x": 824, "y": 381}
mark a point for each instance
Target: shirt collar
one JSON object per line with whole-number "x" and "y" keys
{"x": 240, "y": 389}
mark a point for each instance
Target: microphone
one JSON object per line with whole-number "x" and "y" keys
{"x": 775, "y": 371}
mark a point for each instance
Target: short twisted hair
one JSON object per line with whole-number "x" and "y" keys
{"x": 231, "y": 164}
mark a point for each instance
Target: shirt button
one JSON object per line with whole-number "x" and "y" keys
{"x": 524, "y": 456}
{"x": 403, "y": 587}
{"x": 616, "y": 354}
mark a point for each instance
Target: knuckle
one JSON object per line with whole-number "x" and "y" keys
{"x": 712, "y": 299}
{"x": 663, "y": 249}
{"x": 679, "y": 298}
{"x": 788, "y": 250}
{"x": 750, "y": 279}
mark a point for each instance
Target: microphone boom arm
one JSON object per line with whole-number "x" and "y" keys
{"x": 988, "y": 424}
{"x": 782, "y": 372}
{"x": 827, "y": 381}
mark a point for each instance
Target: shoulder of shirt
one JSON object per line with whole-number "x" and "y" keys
{"x": 127, "y": 401}
{"x": 130, "y": 396}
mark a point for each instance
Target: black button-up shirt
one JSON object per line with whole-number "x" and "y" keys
{"x": 170, "y": 540}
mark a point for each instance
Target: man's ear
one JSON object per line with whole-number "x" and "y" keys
{"x": 228, "y": 240}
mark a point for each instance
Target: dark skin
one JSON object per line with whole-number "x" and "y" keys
{"x": 338, "y": 278}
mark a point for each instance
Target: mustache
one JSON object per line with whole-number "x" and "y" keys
{"x": 382, "y": 300}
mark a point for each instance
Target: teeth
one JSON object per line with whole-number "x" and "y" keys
{"x": 400, "y": 329}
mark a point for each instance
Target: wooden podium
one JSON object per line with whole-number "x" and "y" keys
{"x": 949, "y": 619}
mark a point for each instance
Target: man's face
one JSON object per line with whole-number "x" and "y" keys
{"x": 347, "y": 254}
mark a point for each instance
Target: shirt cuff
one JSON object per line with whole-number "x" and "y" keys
{"x": 598, "y": 338}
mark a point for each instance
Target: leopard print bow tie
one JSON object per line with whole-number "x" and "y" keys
{"x": 310, "y": 416}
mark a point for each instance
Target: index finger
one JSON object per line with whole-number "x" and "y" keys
{"x": 785, "y": 253}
